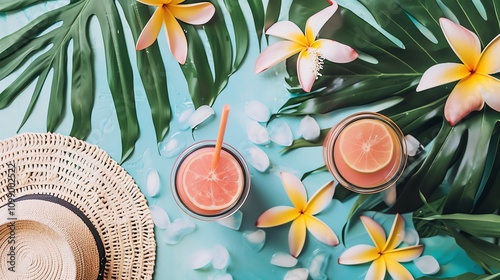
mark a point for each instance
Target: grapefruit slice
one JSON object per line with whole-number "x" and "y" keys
{"x": 366, "y": 145}
{"x": 212, "y": 190}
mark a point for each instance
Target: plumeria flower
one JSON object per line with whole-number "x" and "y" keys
{"x": 476, "y": 85}
{"x": 302, "y": 214}
{"x": 311, "y": 51}
{"x": 168, "y": 12}
{"x": 385, "y": 255}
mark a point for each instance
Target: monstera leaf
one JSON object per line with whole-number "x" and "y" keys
{"x": 49, "y": 36}
{"x": 397, "y": 40}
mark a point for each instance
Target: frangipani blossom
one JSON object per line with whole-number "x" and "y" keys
{"x": 311, "y": 51}
{"x": 302, "y": 214}
{"x": 168, "y": 12}
{"x": 476, "y": 85}
{"x": 385, "y": 255}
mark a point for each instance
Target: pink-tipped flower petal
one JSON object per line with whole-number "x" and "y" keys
{"x": 397, "y": 233}
{"x": 289, "y": 31}
{"x": 396, "y": 270}
{"x": 335, "y": 51}
{"x": 297, "y": 236}
{"x": 377, "y": 270}
{"x": 464, "y": 43}
{"x": 276, "y": 216}
{"x": 489, "y": 62}
{"x": 441, "y": 74}
{"x": 490, "y": 92}
{"x": 307, "y": 70}
{"x": 405, "y": 254}
{"x": 375, "y": 231}
{"x": 197, "y": 13}
{"x": 359, "y": 254}
{"x": 275, "y": 54}
{"x": 151, "y": 30}
{"x": 321, "y": 231}
{"x": 175, "y": 37}
{"x": 316, "y": 21}
{"x": 294, "y": 189}
{"x": 320, "y": 199}
{"x": 464, "y": 99}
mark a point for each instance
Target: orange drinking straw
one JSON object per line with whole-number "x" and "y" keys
{"x": 220, "y": 136}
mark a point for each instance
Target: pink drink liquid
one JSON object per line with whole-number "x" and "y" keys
{"x": 203, "y": 192}
{"x": 365, "y": 182}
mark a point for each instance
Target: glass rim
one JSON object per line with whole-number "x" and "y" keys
{"x": 331, "y": 138}
{"x": 246, "y": 183}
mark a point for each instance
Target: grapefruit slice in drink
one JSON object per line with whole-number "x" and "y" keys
{"x": 366, "y": 145}
{"x": 211, "y": 191}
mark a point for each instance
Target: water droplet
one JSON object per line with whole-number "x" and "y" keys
{"x": 160, "y": 217}
{"x": 257, "y": 133}
{"x": 309, "y": 129}
{"x": 233, "y": 221}
{"x": 257, "y": 111}
{"x": 427, "y": 264}
{"x": 152, "y": 182}
{"x": 280, "y": 133}
{"x": 200, "y": 115}
{"x": 283, "y": 260}
{"x": 177, "y": 230}
{"x": 172, "y": 146}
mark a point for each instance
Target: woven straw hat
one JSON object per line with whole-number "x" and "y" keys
{"x": 70, "y": 212}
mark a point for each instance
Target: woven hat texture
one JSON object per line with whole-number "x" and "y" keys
{"x": 86, "y": 177}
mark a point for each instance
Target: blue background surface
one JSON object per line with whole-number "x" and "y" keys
{"x": 266, "y": 191}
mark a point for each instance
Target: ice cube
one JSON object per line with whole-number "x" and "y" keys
{"x": 183, "y": 120}
{"x": 172, "y": 146}
{"x": 390, "y": 195}
{"x": 259, "y": 159}
{"x": 255, "y": 239}
{"x": 220, "y": 257}
{"x": 200, "y": 115}
{"x": 411, "y": 236}
{"x": 200, "y": 259}
{"x": 257, "y": 111}
{"x": 412, "y": 145}
{"x": 152, "y": 182}
{"x": 159, "y": 216}
{"x": 177, "y": 230}
{"x": 233, "y": 221}
{"x": 318, "y": 265}
{"x": 257, "y": 133}
{"x": 280, "y": 133}
{"x": 283, "y": 260}
{"x": 309, "y": 129}
{"x": 427, "y": 264}
{"x": 297, "y": 274}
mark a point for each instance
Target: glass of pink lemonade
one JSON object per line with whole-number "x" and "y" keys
{"x": 206, "y": 193}
{"x": 365, "y": 152}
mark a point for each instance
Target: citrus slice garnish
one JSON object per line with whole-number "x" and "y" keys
{"x": 366, "y": 145}
{"x": 213, "y": 189}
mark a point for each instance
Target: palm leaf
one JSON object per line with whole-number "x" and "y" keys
{"x": 51, "y": 46}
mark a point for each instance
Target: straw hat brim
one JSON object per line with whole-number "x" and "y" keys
{"x": 86, "y": 177}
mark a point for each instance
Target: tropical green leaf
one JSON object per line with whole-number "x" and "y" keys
{"x": 483, "y": 252}
{"x": 485, "y": 225}
{"x": 258, "y": 13}
{"x": 272, "y": 14}
{"x": 241, "y": 33}
{"x": 465, "y": 276}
